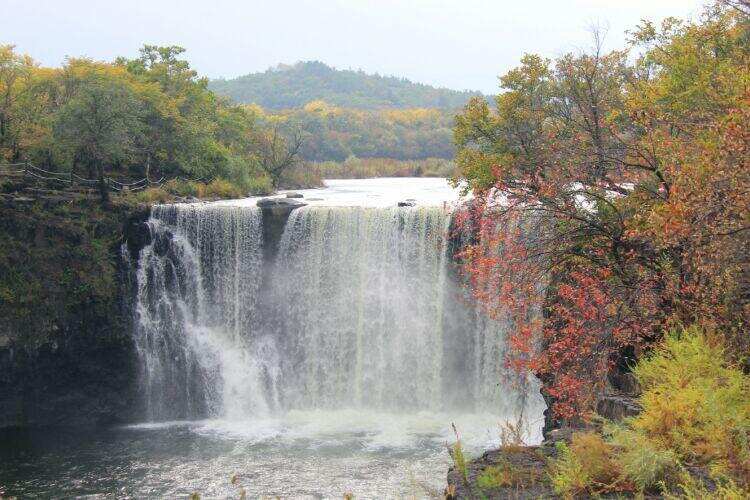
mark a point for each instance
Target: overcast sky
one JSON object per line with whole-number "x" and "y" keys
{"x": 461, "y": 44}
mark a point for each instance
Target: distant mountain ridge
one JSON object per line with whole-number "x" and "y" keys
{"x": 292, "y": 86}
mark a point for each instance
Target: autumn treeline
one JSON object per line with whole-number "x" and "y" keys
{"x": 333, "y": 133}
{"x": 634, "y": 166}
{"x": 149, "y": 116}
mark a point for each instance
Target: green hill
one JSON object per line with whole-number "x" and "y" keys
{"x": 286, "y": 86}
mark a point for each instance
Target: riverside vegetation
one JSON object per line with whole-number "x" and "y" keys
{"x": 638, "y": 169}
{"x": 154, "y": 117}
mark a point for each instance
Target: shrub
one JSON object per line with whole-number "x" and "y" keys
{"x": 695, "y": 414}
{"x": 499, "y": 476}
{"x": 183, "y": 188}
{"x": 586, "y": 466}
{"x": 302, "y": 176}
{"x": 459, "y": 460}
{"x": 221, "y": 188}
{"x": 260, "y": 185}
{"x": 567, "y": 474}
{"x": 641, "y": 461}
{"x": 152, "y": 195}
{"x": 690, "y": 488}
{"x": 695, "y": 403}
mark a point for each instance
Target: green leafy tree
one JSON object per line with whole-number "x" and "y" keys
{"x": 279, "y": 152}
{"x": 99, "y": 125}
{"x": 15, "y": 72}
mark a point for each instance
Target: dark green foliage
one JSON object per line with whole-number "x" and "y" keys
{"x": 57, "y": 266}
{"x": 286, "y": 86}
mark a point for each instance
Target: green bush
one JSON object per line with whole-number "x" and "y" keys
{"x": 459, "y": 460}
{"x": 152, "y": 195}
{"x": 641, "y": 461}
{"x": 183, "y": 188}
{"x": 499, "y": 476}
{"x": 222, "y": 188}
{"x": 260, "y": 185}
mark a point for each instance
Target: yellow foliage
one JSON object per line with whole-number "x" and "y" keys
{"x": 690, "y": 488}
{"x": 694, "y": 403}
{"x": 153, "y": 195}
{"x": 696, "y": 412}
{"x": 587, "y": 465}
{"x": 221, "y": 188}
{"x": 184, "y": 188}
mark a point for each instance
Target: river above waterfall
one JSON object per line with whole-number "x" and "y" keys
{"x": 336, "y": 365}
{"x": 375, "y": 193}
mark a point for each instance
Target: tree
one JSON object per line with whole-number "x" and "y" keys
{"x": 100, "y": 123}
{"x": 15, "y": 71}
{"x": 279, "y": 153}
{"x": 637, "y": 177}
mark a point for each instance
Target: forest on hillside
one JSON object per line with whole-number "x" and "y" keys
{"x": 293, "y": 86}
{"x": 333, "y": 133}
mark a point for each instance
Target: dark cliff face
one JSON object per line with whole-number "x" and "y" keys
{"x": 67, "y": 356}
{"x": 66, "y": 353}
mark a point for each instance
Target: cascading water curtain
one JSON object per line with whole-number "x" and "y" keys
{"x": 358, "y": 310}
{"x": 362, "y": 311}
{"x": 196, "y": 310}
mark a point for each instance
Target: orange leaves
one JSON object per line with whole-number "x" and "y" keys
{"x": 639, "y": 193}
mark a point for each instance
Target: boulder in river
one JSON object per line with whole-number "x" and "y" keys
{"x": 279, "y": 203}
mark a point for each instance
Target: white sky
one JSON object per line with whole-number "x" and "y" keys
{"x": 461, "y": 44}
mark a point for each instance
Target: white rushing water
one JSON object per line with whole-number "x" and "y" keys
{"x": 357, "y": 333}
{"x": 196, "y": 300}
{"x": 381, "y": 192}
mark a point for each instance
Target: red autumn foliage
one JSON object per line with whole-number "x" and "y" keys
{"x": 613, "y": 202}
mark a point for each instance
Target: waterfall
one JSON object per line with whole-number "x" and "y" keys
{"x": 362, "y": 293}
{"x": 360, "y": 308}
{"x": 196, "y": 314}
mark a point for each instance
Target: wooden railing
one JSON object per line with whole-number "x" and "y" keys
{"x": 71, "y": 180}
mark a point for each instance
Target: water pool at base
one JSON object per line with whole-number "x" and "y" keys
{"x": 313, "y": 454}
